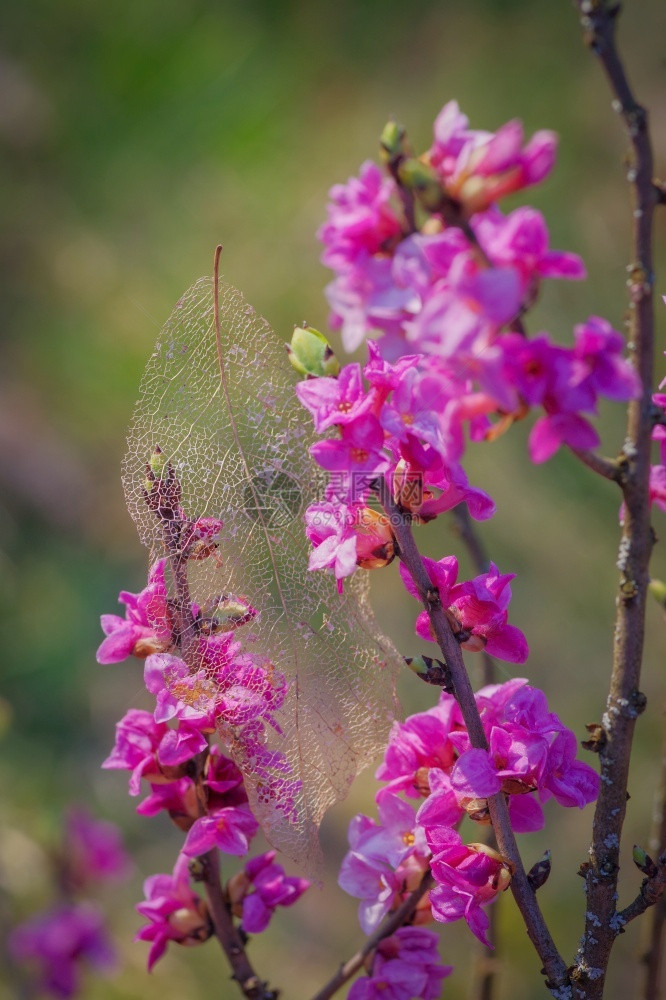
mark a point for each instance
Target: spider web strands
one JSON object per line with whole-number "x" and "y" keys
{"x": 238, "y": 441}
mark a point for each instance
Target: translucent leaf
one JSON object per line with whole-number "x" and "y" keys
{"x": 238, "y": 441}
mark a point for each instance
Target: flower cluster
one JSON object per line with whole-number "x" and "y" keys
{"x": 205, "y": 680}
{"x": 531, "y": 758}
{"x": 72, "y": 933}
{"x": 446, "y": 285}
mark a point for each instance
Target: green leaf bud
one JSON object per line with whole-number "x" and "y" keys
{"x": 311, "y": 354}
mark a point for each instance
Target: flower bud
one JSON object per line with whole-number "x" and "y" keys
{"x": 375, "y": 543}
{"x": 192, "y": 926}
{"x": 392, "y": 145}
{"x": 539, "y": 872}
{"x": 237, "y": 889}
{"x": 420, "y": 178}
{"x": 226, "y": 612}
{"x": 643, "y": 861}
{"x": 408, "y": 490}
{"x": 431, "y": 671}
{"x": 311, "y": 354}
{"x": 161, "y": 487}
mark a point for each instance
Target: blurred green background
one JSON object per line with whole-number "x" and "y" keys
{"x": 137, "y": 136}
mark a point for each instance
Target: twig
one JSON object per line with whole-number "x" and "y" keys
{"x": 228, "y": 934}
{"x": 651, "y": 892}
{"x": 609, "y": 468}
{"x": 484, "y": 976}
{"x": 624, "y": 701}
{"x": 554, "y": 966}
{"x": 396, "y": 920}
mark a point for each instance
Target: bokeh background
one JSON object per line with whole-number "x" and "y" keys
{"x": 137, "y": 136}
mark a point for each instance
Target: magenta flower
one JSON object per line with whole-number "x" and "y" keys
{"x": 598, "y": 361}
{"x": 330, "y": 528}
{"x": 468, "y": 876}
{"x": 94, "y": 849}
{"x": 419, "y": 744}
{"x": 356, "y": 457}
{"x": 572, "y": 782}
{"x": 480, "y": 605}
{"x": 360, "y": 217}
{"x": 191, "y": 698}
{"x": 552, "y": 431}
{"x": 479, "y": 167}
{"x": 520, "y": 240}
{"x": 137, "y": 738}
{"x": 230, "y": 829}
{"x": 337, "y": 400}
{"x": 176, "y": 913}
{"x": 146, "y": 626}
{"x": 60, "y": 942}
{"x": 272, "y": 888}
{"x": 374, "y": 883}
{"x": 414, "y": 947}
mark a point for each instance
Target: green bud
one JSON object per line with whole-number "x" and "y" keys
{"x": 392, "y": 146}
{"x": 311, "y": 354}
{"x": 643, "y": 861}
{"x": 423, "y": 181}
{"x": 658, "y": 590}
{"x": 158, "y": 463}
{"x": 431, "y": 671}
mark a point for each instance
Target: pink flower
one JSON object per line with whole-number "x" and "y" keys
{"x": 480, "y": 605}
{"x": 572, "y": 782}
{"x": 468, "y": 876}
{"x": 230, "y": 829}
{"x": 60, "y": 941}
{"x": 360, "y": 218}
{"x": 356, "y": 457}
{"x": 337, "y": 400}
{"x": 443, "y": 575}
{"x": 137, "y": 738}
{"x": 271, "y": 888}
{"x": 146, "y": 625}
{"x": 94, "y": 849}
{"x": 175, "y": 911}
{"x": 520, "y": 240}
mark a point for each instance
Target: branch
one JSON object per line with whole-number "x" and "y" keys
{"x": 228, "y": 934}
{"x": 625, "y": 701}
{"x": 609, "y": 468}
{"x": 651, "y": 892}
{"x": 554, "y": 966}
{"x": 400, "y": 917}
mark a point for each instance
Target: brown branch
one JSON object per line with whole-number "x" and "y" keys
{"x": 651, "y": 892}
{"x": 554, "y": 966}
{"x": 625, "y": 702}
{"x": 609, "y": 468}
{"x": 396, "y": 920}
{"x": 228, "y": 934}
